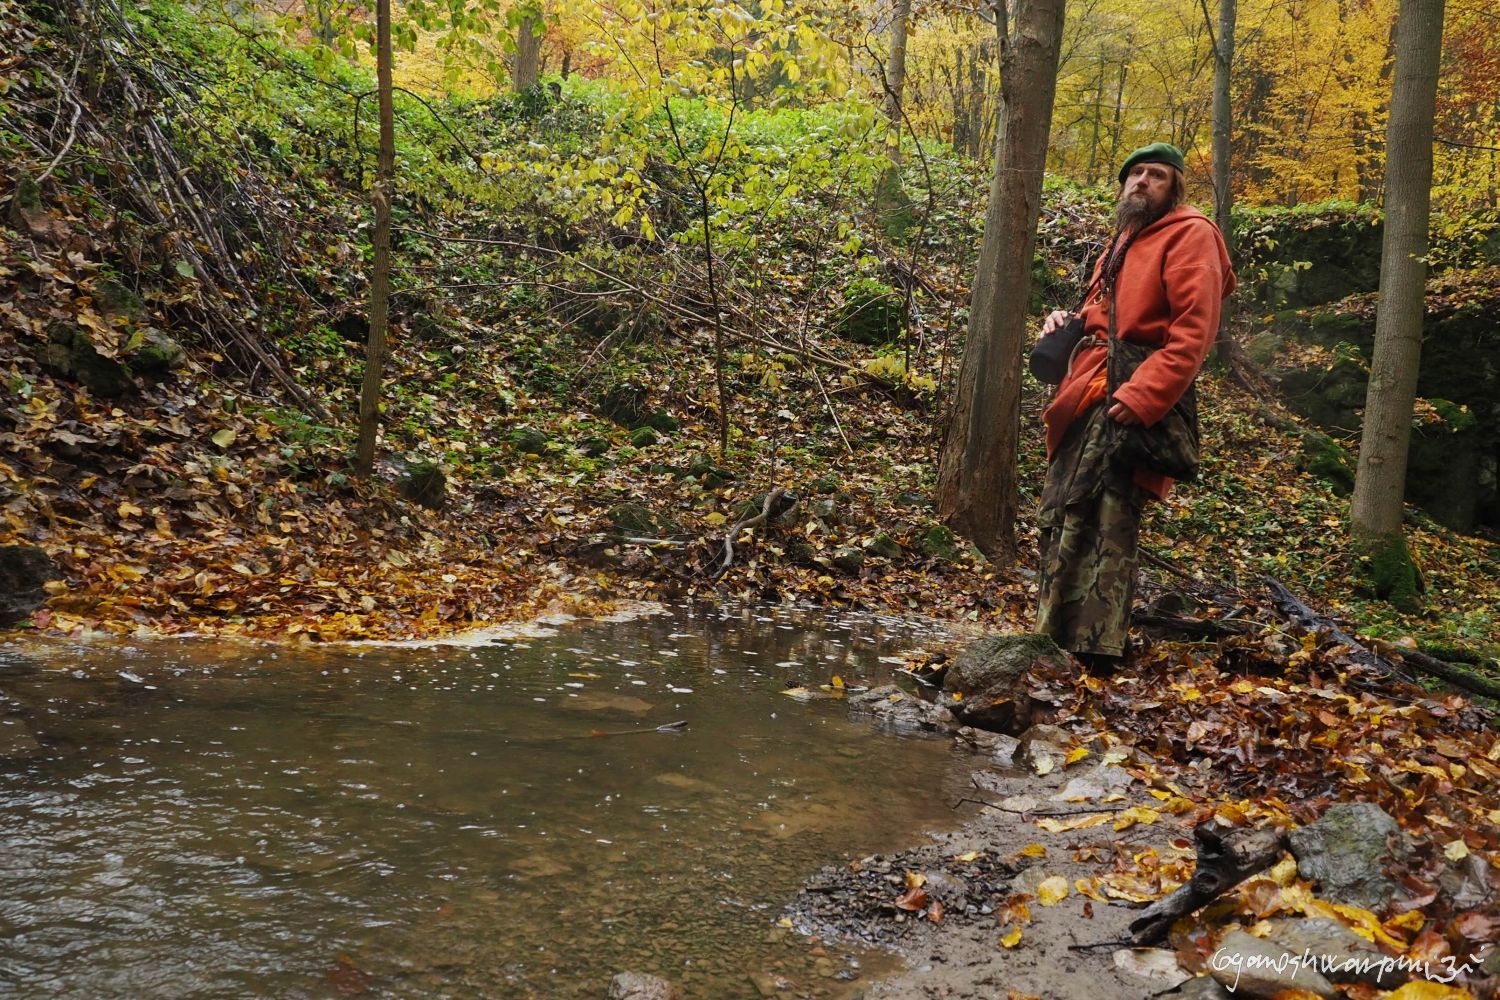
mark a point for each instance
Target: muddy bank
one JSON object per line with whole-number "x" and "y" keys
{"x": 997, "y": 875}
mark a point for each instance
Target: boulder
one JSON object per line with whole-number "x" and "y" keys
{"x": 640, "y": 986}
{"x": 70, "y": 353}
{"x": 1341, "y": 956}
{"x": 423, "y": 482}
{"x": 991, "y": 678}
{"x": 1345, "y": 852}
{"x": 1100, "y": 784}
{"x": 883, "y": 546}
{"x": 634, "y": 521}
{"x": 157, "y": 354}
{"x": 24, "y": 569}
{"x": 849, "y": 559}
{"x": 1248, "y": 966}
{"x": 529, "y": 441}
{"x": 940, "y": 543}
{"x": 873, "y": 312}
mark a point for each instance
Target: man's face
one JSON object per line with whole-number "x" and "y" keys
{"x": 1146, "y": 193}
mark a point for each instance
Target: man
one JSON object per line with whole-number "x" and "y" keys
{"x": 1169, "y": 272}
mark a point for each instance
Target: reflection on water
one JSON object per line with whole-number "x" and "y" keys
{"x": 211, "y": 820}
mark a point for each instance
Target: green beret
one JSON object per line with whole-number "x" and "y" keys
{"x": 1157, "y": 152}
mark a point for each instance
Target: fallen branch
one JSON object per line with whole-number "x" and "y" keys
{"x": 749, "y": 522}
{"x": 1300, "y": 614}
{"x": 1224, "y": 861}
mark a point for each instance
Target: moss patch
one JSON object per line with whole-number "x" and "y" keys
{"x": 1386, "y": 564}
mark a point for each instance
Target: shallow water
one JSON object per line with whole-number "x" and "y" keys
{"x": 213, "y": 820}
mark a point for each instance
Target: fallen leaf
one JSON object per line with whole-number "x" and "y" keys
{"x": 1011, "y": 938}
{"x": 1052, "y": 891}
{"x": 913, "y": 900}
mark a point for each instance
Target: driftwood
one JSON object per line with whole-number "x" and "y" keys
{"x": 1224, "y": 860}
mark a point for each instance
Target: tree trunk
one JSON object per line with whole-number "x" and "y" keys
{"x": 892, "y": 205}
{"x": 1116, "y": 133}
{"x": 976, "y": 493}
{"x": 1380, "y": 484}
{"x": 528, "y": 54}
{"x": 895, "y": 81}
{"x": 380, "y": 280}
{"x": 1223, "y": 122}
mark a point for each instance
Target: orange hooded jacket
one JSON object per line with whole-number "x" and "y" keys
{"x": 1175, "y": 278}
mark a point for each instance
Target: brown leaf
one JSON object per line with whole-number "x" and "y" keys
{"x": 914, "y": 899}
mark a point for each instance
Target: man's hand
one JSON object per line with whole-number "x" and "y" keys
{"x": 1122, "y": 414}
{"x": 1055, "y": 321}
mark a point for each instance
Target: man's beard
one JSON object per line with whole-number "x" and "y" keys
{"x": 1134, "y": 214}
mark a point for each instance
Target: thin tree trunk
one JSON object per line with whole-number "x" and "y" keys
{"x": 380, "y": 280}
{"x": 1093, "y": 171}
{"x": 528, "y": 54}
{"x": 895, "y": 81}
{"x": 1116, "y": 132}
{"x": 1380, "y": 484}
{"x": 1223, "y": 123}
{"x": 976, "y": 493}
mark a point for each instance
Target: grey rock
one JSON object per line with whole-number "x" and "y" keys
{"x": 1200, "y": 988}
{"x": 890, "y": 705}
{"x": 640, "y": 986}
{"x": 1044, "y": 748}
{"x": 940, "y": 543}
{"x": 883, "y": 546}
{"x": 1345, "y": 851}
{"x": 423, "y": 483}
{"x": 1250, "y": 967}
{"x": 991, "y": 676}
{"x": 849, "y": 559}
{"x": 1342, "y": 956}
{"x": 1094, "y": 785}
{"x": 24, "y": 569}
{"x": 1001, "y": 746}
{"x": 157, "y": 355}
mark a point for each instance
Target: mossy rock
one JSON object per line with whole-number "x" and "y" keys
{"x": 1325, "y": 458}
{"x": 114, "y": 299}
{"x": 1264, "y": 346}
{"x": 594, "y": 446}
{"x": 529, "y": 441}
{"x": 661, "y": 420}
{"x": 157, "y": 355}
{"x": 625, "y": 404}
{"x": 849, "y": 559}
{"x": 940, "y": 543}
{"x": 1334, "y": 327}
{"x": 906, "y": 498}
{"x": 883, "y": 546}
{"x": 873, "y": 312}
{"x": 644, "y": 437}
{"x": 423, "y": 482}
{"x": 631, "y": 520}
{"x": 70, "y": 353}
{"x": 708, "y": 474}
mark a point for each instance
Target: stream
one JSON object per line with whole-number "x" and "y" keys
{"x": 211, "y": 819}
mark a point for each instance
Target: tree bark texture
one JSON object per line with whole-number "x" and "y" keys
{"x": 976, "y": 493}
{"x": 526, "y": 68}
{"x": 1223, "y": 123}
{"x": 380, "y": 280}
{"x": 895, "y": 81}
{"x": 1380, "y": 483}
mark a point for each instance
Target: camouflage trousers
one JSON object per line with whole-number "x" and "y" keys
{"x": 1090, "y": 520}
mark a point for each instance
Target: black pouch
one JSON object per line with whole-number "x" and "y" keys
{"x": 1051, "y": 354}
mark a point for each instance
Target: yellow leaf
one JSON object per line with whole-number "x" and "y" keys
{"x": 715, "y": 519}
{"x": 1136, "y": 814}
{"x": 1076, "y": 754}
{"x": 1052, "y": 825}
{"x": 1424, "y": 989}
{"x": 225, "y": 437}
{"x": 128, "y": 509}
{"x": 837, "y": 682}
{"x": 1011, "y": 938}
{"x": 968, "y": 856}
{"x": 958, "y": 696}
{"x": 784, "y": 922}
{"x": 1086, "y": 887}
{"x": 1032, "y": 851}
{"x": 915, "y": 880}
{"x": 1052, "y": 891}
{"x": 1455, "y": 850}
